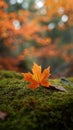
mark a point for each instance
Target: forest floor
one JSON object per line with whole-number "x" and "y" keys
{"x": 22, "y": 108}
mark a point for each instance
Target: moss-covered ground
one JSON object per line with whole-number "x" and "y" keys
{"x": 39, "y": 109}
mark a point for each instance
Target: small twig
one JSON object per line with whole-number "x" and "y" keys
{"x": 66, "y": 81}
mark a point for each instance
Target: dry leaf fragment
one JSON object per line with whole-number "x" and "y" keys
{"x": 59, "y": 88}
{"x": 37, "y": 77}
{"x": 3, "y": 115}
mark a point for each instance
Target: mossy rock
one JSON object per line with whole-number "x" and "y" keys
{"x": 39, "y": 109}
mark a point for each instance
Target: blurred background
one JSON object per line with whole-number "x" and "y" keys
{"x": 38, "y": 31}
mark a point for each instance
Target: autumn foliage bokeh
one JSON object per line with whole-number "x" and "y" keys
{"x": 43, "y": 35}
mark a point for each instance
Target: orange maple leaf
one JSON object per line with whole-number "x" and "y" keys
{"x": 37, "y": 77}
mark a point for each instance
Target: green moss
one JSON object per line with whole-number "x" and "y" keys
{"x": 41, "y": 109}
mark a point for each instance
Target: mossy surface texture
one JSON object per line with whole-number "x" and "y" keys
{"x": 38, "y": 109}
